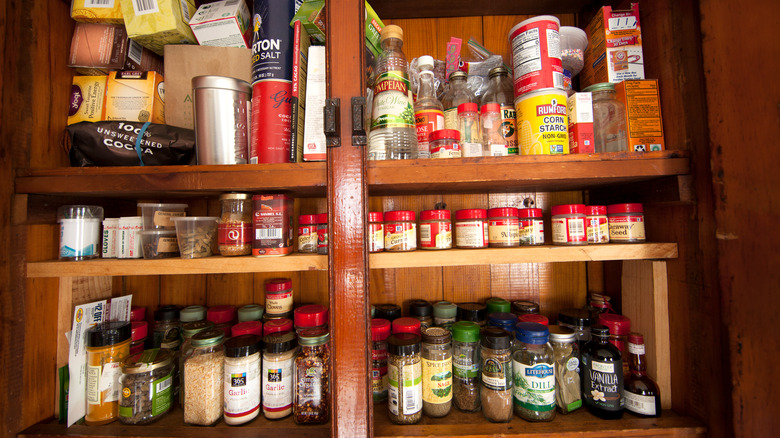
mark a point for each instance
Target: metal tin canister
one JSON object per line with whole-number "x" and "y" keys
{"x": 536, "y": 54}
{"x": 221, "y": 119}
{"x": 542, "y": 122}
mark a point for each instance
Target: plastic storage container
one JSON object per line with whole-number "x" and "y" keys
{"x": 197, "y": 236}
{"x": 147, "y": 383}
{"x": 159, "y": 244}
{"x": 157, "y": 216}
{"x": 79, "y": 231}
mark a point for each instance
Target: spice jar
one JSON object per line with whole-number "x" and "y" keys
{"x": 307, "y": 233}
{"x": 192, "y": 314}
{"x": 242, "y": 379}
{"x": 278, "y": 296}
{"x": 278, "y": 371}
{"x": 626, "y": 223}
{"x": 596, "y": 224}
{"x": 400, "y": 231}
{"x": 166, "y": 325}
{"x": 444, "y": 314}
{"x": 445, "y": 143}
{"x": 497, "y": 304}
{"x": 406, "y": 324}
{"x": 310, "y": 316}
{"x": 279, "y": 326}
{"x": 139, "y": 330}
{"x": 466, "y": 366}
{"x": 531, "y": 226}
{"x": 506, "y": 321}
{"x": 435, "y": 229}
{"x": 609, "y": 119}
{"x": 247, "y": 328}
{"x": 250, "y": 312}
{"x": 619, "y": 327}
{"x": 567, "y": 369}
{"x": 470, "y": 133}
{"x": 235, "y": 224}
{"x": 577, "y": 320}
{"x": 474, "y": 312}
{"x": 376, "y": 232}
{"x": 423, "y": 311}
{"x": 534, "y": 372}
{"x": 471, "y": 228}
{"x": 146, "y": 382}
{"x": 286, "y": 316}
{"x": 108, "y": 344}
{"x": 322, "y": 233}
{"x": 503, "y": 227}
{"x": 311, "y": 404}
{"x": 223, "y": 317}
{"x": 404, "y": 378}
{"x": 137, "y": 313}
{"x": 496, "y": 391}
{"x": 380, "y": 330}
{"x": 493, "y": 141}
{"x": 204, "y": 369}
{"x": 599, "y": 304}
{"x": 534, "y": 317}
{"x": 568, "y": 225}
{"x": 436, "y": 372}
{"x": 387, "y": 311}
{"x": 602, "y": 376}
{"x": 189, "y": 330}
{"x": 524, "y": 307}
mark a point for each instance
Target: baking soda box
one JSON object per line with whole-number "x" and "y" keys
{"x": 614, "y": 50}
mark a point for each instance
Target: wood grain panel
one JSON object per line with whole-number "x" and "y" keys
{"x": 145, "y": 290}
{"x": 430, "y": 36}
{"x": 229, "y": 289}
{"x": 183, "y": 290}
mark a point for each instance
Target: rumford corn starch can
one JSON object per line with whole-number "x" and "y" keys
{"x": 542, "y": 123}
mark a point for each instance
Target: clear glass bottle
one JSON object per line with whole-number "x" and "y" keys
{"x": 470, "y": 130}
{"x": 577, "y": 320}
{"x": 609, "y": 119}
{"x": 311, "y": 403}
{"x": 602, "y": 376}
{"x": 493, "y": 142}
{"x": 404, "y": 378}
{"x": 643, "y": 398}
{"x": 204, "y": 370}
{"x": 497, "y": 381}
{"x": 393, "y": 134}
{"x": 457, "y": 93}
{"x": 436, "y": 372}
{"x": 466, "y": 366}
{"x": 145, "y": 393}
{"x": 501, "y": 91}
{"x": 533, "y": 368}
{"x": 428, "y": 111}
{"x": 568, "y": 395}
{"x": 189, "y": 330}
{"x": 166, "y": 324}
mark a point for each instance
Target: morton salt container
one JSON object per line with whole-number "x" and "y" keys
{"x": 221, "y": 119}
{"x": 272, "y": 42}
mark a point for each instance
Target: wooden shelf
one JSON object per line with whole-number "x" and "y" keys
{"x": 387, "y": 9}
{"x": 524, "y": 254}
{"x": 578, "y": 424}
{"x": 521, "y": 173}
{"x": 300, "y": 179}
{"x": 206, "y": 265}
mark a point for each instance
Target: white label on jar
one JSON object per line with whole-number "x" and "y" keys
{"x": 109, "y": 381}
{"x": 242, "y": 386}
{"x": 406, "y": 392}
{"x": 425, "y": 234}
{"x": 531, "y": 231}
{"x": 471, "y": 234}
{"x": 79, "y": 237}
{"x": 603, "y": 367}
{"x": 471, "y": 149}
{"x": 277, "y": 385}
{"x": 572, "y": 364}
{"x": 376, "y": 238}
{"x": 534, "y": 386}
{"x": 93, "y": 383}
{"x": 568, "y": 230}
{"x": 498, "y": 150}
{"x": 626, "y": 228}
{"x": 640, "y": 404}
{"x": 279, "y": 302}
{"x": 636, "y": 348}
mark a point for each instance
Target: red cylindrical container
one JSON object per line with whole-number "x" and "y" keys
{"x": 596, "y": 224}
{"x": 307, "y": 233}
{"x": 223, "y": 317}
{"x": 503, "y": 227}
{"x": 445, "y": 143}
{"x": 376, "y": 232}
{"x": 626, "y": 223}
{"x": 281, "y": 325}
{"x": 536, "y": 54}
{"x": 278, "y": 296}
{"x": 435, "y": 229}
{"x": 400, "y": 231}
{"x": 247, "y": 328}
{"x": 140, "y": 329}
{"x": 310, "y": 316}
{"x": 137, "y": 313}
{"x": 471, "y": 228}
{"x": 568, "y": 225}
{"x": 406, "y": 324}
{"x": 531, "y": 226}
{"x": 619, "y": 328}
{"x": 533, "y": 317}
{"x": 380, "y": 330}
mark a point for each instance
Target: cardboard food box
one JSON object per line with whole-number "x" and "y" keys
{"x": 301, "y": 44}
{"x": 643, "y": 114}
{"x": 614, "y": 50}
{"x": 312, "y": 15}
{"x": 184, "y": 62}
{"x": 580, "y": 109}
{"x": 223, "y": 24}
{"x": 155, "y": 24}
{"x": 314, "y": 148}
{"x": 86, "y": 99}
{"x": 96, "y": 49}
{"x": 91, "y": 11}
{"x": 135, "y": 96}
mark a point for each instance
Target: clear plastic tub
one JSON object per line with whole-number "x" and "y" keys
{"x": 159, "y": 216}
{"x": 159, "y": 244}
{"x": 197, "y": 236}
{"x": 79, "y": 231}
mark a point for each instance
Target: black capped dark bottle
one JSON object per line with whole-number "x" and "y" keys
{"x": 643, "y": 398}
{"x": 602, "y": 376}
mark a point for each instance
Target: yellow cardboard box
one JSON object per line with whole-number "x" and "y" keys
{"x": 86, "y": 99}
{"x": 160, "y": 22}
{"x": 136, "y": 96}
{"x": 89, "y": 11}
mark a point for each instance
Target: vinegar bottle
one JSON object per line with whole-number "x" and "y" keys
{"x": 500, "y": 91}
{"x": 457, "y": 94}
{"x": 428, "y": 111}
{"x": 393, "y": 133}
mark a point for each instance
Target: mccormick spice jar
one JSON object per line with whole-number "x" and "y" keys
{"x": 322, "y": 233}
{"x": 242, "y": 379}
{"x": 626, "y": 223}
{"x": 223, "y": 317}
{"x": 280, "y": 325}
{"x": 108, "y": 344}
{"x": 278, "y": 296}
{"x": 311, "y": 402}
{"x": 596, "y": 224}
{"x": 404, "y": 378}
{"x": 138, "y": 337}
{"x": 247, "y": 328}
{"x": 568, "y": 225}
{"x": 146, "y": 386}
{"x": 406, "y": 324}
{"x": 235, "y": 225}
{"x": 376, "y": 232}
{"x": 380, "y": 330}
{"x": 400, "y": 231}
{"x": 471, "y": 228}
{"x": 531, "y": 226}
{"x": 619, "y": 327}
{"x": 445, "y": 143}
{"x": 307, "y": 233}
{"x": 435, "y": 229}
{"x": 273, "y": 225}
{"x": 534, "y": 317}
{"x": 503, "y": 226}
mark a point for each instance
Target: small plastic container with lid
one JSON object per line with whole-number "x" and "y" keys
{"x": 400, "y": 231}
{"x": 278, "y": 296}
{"x": 535, "y": 318}
{"x": 619, "y": 327}
{"x": 406, "y": 324}
{"x": 524, "y": 307}
{"x": 596, "y": 225}
{"x": 533, "y": 366}
{"x": 435, "y": 229}
{"x": 157, "y": 216}
{"x": 444, "y": 314}
{"x": 471, "y": 228}
{"x": 307, "y": 233}
{"x": 197, "y": 236}
{"x": 497, "y": 379}
{"x": 609, "y": 119}
{"x": 578, "y": 320}
{"x": 280, "y": 325}
{"x": 493, "y": 141}
{"x": 376, "y": 232}
{"x": 80, "y": 231}
{"x": 242, "y": 378}
{"x": 107, "y": 345}
{"x": 192, "y": 314}
{"x": 322, "y": 233}
{"x": 204, "y": 369}
{"x": 310, "y": 316}
{"x": 146, "y": 386}
{"x": 445, "y": 143}
{"x": 387, "y": 311}
{"x": 250, "y": 312}
{"x": 496, "y": 304}
{"x": 159, "y": 244}
{"x": 380, "y": 330}
{"x": 423, "y": 311}
{"x": 311, "y": 398}
{"x": 503, "y": 227}
{"x": 469, "y": 129}
{"x": 166, "y": 325}
{"x": 247, "y": 328}
{"x": 568, "y": 225}
{"x": 531, "y": 226}
{"x": 278, "y": 374}
{"x": 234, "y": 230}
{"x": 465, "y": 366}
{"x": 223, "y": 317}
{"x": 626, "y": 223}
{"x": 474, "y": 312}
{"x": 566, "y": 353}
{"x": 436, "y": 358}
{"x": 138, "y": 337}
{"x": 404, "y": 378}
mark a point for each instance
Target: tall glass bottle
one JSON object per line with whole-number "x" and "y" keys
{"x": 428, "y": 111}
{"x": 602, "y": 376}
{"x": 500, "y": 91}
{"x": 393, "y": 134}
{"x": 643, "y": 398}
{"x": 457, "y": 94}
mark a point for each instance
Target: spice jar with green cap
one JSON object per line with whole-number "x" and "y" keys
{"x": 444, "y": 314}
{"x": 497, "y": 304}
{"x": 192, "y": 314}
{"x": 465, "y": 366}
{"x": 203, "y": 378}
{"x": 250, "y": 312}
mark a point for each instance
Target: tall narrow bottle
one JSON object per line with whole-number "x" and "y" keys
{"x": 602, "y": 376}
{"x": 393, "y": 133}
{"x": 500, "y": 91}
{"x": 428, "y": 111}
{"x": 643, "y": 397}
{"x": 457, "y": 94}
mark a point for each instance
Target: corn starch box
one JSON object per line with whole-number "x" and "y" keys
{"x": 136, "y": 96}
{"x": 581, "y": 123}
{"x": 87, "y": 95}
{"x": 643, "y": 114}
{"x": 614, "y": 51}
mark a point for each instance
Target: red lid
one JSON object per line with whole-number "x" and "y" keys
{"x": 617, "y": 324}
{"x": 375, "y": 216}
{"x": 444, "y": 133}
{"x": 281, "y": 325}
{"x": 322, "y": 218}
{"x": 529, "y": 212}
{"x": 139, "y": 330}
{"x": 380, "y": 329}
{"x": 247, "y": 328}
{"x": 276, "y": 285}
{"x": 307, "y": 219}
{"x": 636, "y": 338}
{"x": 406, "y": 324}
{"x": 311, "y": 315}
{"x": 568, "y": 209}
{"x": 137, "y": 313}
{"x": 491, "y": 108}
{"x": 596, "y": 210}
{"x": 625, "y": 208}
{"x": 533, "y": 317}
{"x": 468, "y": 106}
{"x": 400, "y": 215}
{"x": 471, "y": 213}
{"x": 434, "y": 214}
{"x": 503, "y": 211}
{"x": 221, "y": 314}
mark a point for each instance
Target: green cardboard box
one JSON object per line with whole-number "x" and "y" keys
{"x": 312, "y": 16}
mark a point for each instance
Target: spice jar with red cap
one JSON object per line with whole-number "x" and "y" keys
{"x": 534, "y": 317}
{"x": 531, "y": 225}
{"x": 278, "y": 296}
{"x": 137, "y": 313}
{"x": 596, "y": 224}
{"x": 503, "y": 227}
{"x": 619, "y": 327}
{"x": 626, "y": 223}
{"x": 138, "y": 337}
{"x": 281, "y": 325}
{"x": 471, "y": 228}
{"x": 247, "y": 328}
{"x": 435, "y": 229}
{"x": 322, "y": 233}
{"x": 307, "y": 233}
{"x": 400, "y": 231}
{"x": 445, "y": 143}
{"x": 380, "y": 330}
{"x": 406, "y": 324}
{"x": 310, "y": 316}
{"x": 568, "y": 225}
{"x": 376, "y": 232}
{"x": 223, "y": 318}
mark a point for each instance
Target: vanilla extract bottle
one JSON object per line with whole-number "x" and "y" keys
{"x": 602, "y": 376}
{"x": 643, "y": 398}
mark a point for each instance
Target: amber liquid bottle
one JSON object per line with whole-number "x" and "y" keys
{"x": 641, "y": 393}
{"x": 602, "y": 376}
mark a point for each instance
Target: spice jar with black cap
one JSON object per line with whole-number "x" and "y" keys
{"x": 311, "y": 398}
{"x": 278, "y": 371}
{"x": 474, "y": 312}
{"x": 387, "y": 311}
{"x": 242, "y": 379}
{"x": 578, "y": 320}
{"x": 423, "y": 311}
{"x": 497, "y": 382}
{"x": 108, "y": 344}
{"x": 524, "y": 307}
{"x": 404, "y": 378}
{"x": 166, "y": 325}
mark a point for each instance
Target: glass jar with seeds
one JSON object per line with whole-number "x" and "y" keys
{"x": 404, "y": 379}
{"x": 146, "y": 381}
{"x": 197, "y": 236}
{"x": 465, "y": 366}
{"x": 203, "y": 378}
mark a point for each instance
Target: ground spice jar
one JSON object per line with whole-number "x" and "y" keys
{"x": 147, "y": 383}
{"x": 250, "y": 312}
{"x": 204, "y": 369}
{"x": 307, "y": 233}
{"x": 445, "y": 143}
{"x": 311, "y": 402}
{"x": 387, "y": 311}
{"x": 531, "y": 226}
{"x": 247, "y": 328}
{"x": 435, "y": 229}
{"x": 406, "y": 324}
{"x": 322, "y": 233}
{"x": 192, "y": 314}
{"x": 278, "y": 372}
{"x": 234, "y": 229}
{"x": 577, "y": 320}
{"x": 436, "y": 359}
{"x": 497, "y": 381}
{"x": 278, "y": 296}
{"x": 566, "y": 354}
{"x": 404, "y": 378}
{"x": 524, "y": 307}
{"x": 602, "y": 376}
{"x": 139, "y": 331}
{"x": 503, "y": 227}
{"x": 496, "y": 304}
{"x": 279, "y": 325}
{"x": 423, "y": 311}
{"x": 533, "y": 367}
{"x": 534, "y": 317}
{"x": 471, "y": 228}
{"x": 242, "y": 379}
{"x": 223, "y": 317}
{"x": 400, "y": 231}
{"x": 596, "y": 225}
{"x": 310, "y": 316}
{"x": 626, "y": 223}
{"x": 380, "y": 330}
{"x": 166, "y": 325}
{"x": 475, "y": 312}
{"x": 444, "y": 314}
{"x": 466, "y": 366}
{"x": 108, "y": 344}
{"x": 568, "y": 225}
{"x": 376, "y": 232}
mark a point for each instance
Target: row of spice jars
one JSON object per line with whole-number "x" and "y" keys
{"x": 578, "y": 224}
{"x": 445, "y": 313}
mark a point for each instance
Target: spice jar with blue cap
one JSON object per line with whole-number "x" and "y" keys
{"x": 533, "y": 368}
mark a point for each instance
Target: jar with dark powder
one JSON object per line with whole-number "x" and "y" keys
{"x": 496, "y": 391}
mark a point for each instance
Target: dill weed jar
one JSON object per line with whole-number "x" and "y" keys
{"x": 534, "y": 374}
{"x": 235, "y": 225}
{"x": 108, "y": 344}
{"x": 147, "y": 382}
{"x": 404, "y": 378}
{"x": 436, "y": 372}
{"x": 435, "y": 229}
{"x": 311, "y": 401}
{"x": 400, "y": 231}
{"x": 465, "y": 366}
{"x": 496, "y": 391}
